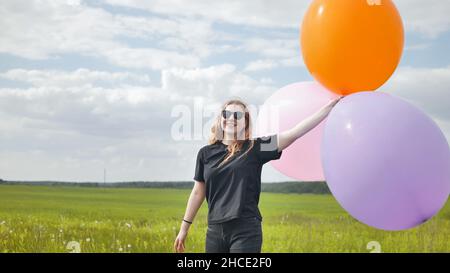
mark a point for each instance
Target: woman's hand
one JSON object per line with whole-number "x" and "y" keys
{"x": 179, "y": 242}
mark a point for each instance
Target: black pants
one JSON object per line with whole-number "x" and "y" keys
{"x": 240, "y": 235}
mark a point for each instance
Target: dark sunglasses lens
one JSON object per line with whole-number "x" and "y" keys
{"x": 238, "y": 115}
{"x": 225, "y": 114}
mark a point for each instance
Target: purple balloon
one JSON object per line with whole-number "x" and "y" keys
{"x": 386, "y": 162}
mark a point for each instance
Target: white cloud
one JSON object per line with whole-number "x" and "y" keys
{"x": 286, "y": 13}
{"x": 269, "y": 64}
{"x": 79, "y": 77}
{"x": 48, "y": 29}
{"x": 426, "y": 17}
{"x": 216, "y": 83}
{"x": 55, "y": 130}
{"x": 427, "y": 88}
{"x": 42, "y": 29}
{"x": 60, "y": 129}
{"x": 279, "y": 48}
{"x": 419, "y": 46}
{"x": 276, "y": 53}
{"x": 79, "y": 101}
{"x": 261, "y": 65}
{"x": 58, "y": 28}
{"x": 296, "y": 61}
{"x": 177, "y": 34}
{"x": 429, "y": 18}
{"x": 149, "y": 58}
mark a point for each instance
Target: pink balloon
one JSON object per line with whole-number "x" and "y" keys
{"x": 283, "y": 110}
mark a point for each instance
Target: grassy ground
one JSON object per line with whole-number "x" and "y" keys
{"x": 64, "y": 219}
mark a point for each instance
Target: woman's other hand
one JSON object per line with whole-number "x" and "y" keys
{"x": 179, "y": 242}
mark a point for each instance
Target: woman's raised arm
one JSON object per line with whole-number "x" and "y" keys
{"x": 287, "y": 137}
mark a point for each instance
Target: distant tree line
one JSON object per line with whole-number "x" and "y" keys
{"x": 278, "y": 187}
{"x": 296, "y": 187}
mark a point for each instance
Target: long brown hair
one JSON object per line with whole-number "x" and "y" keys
{"x": 217, "y": 133}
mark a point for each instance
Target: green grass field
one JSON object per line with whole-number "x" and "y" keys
{"x": 50, "y": 219}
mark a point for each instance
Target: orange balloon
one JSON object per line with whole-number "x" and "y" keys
{"x": 352, "y": 45}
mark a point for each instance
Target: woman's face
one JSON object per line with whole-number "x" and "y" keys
{"x": 233, "y": 121}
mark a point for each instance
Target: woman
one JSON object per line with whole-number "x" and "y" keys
{"x": 228, "y": 174}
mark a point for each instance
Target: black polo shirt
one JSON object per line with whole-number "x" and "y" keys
{"x": 233, "y": 189}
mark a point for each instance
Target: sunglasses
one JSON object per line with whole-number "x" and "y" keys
{"x": 236, "y": 115}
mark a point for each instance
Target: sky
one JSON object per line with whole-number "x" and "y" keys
{"x": 93, "y": 85}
